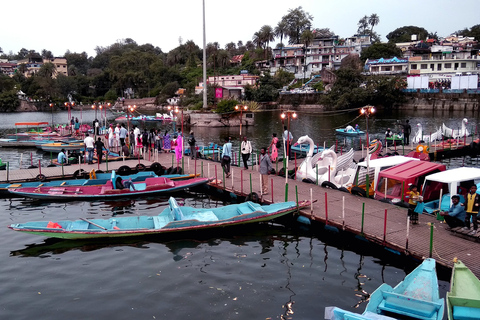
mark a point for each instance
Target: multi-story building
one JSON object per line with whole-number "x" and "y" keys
{"x": 231, "y": 86}
{"x": 394, "y": 66}
{"x": 444, "y": 68}
{"x": 8, "y": 68}
{"x": 322, "y": 54}
{"x": 60, "y": 65}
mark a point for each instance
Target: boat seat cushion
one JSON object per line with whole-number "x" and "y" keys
{"x": 408, "y": 306}
{"x": 465, "y": 313}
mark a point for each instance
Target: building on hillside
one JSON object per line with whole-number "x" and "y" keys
{"x": 323, "y": 54}
{"x": 60, "y": 65}
{"x": 8, "y": 68}
{"x": 231, "y": 86}
{"x": 236, "y": 60}
{"x": 443, "y": 69}
{"x": 394, "y": 66}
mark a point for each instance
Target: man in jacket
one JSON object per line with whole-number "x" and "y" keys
{"x": 472, "y": 204}
{"x": 455, "y": 216}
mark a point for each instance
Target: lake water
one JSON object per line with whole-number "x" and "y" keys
{"x": 267, "y": 271}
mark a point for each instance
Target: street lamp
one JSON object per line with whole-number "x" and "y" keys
{"x": 288, "y": 115}
{"x": 241, "y": 108}
{"x": 130, "y": 110}
{"x": 51, "y": 108}
{"x": 367, "y": 111}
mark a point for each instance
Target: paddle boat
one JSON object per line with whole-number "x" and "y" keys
{"x": 439, "y": 187}
{"x": 302, "y": 149}
{"x": 172, "y": 219}
{"x": 112, "y": 189}
{"x": 416, "y": 297}
{"x": 323, "y": 166}
{"x": 458, "y": 133}
{"x": 392, "y": 183}
{"x": 350, "y": 131}
{"x": 463, "y": 299}
{"x": 419, "y": 136}
{"x": 395, "y": 139}
{"x": 3, "y": 165}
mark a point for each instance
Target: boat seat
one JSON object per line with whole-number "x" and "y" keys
{"x": 465, "y": 313}
{"x": 409, "y": 306}
{"x": 161, "y": 221}
{"x": 203, "y": 216}
{"x": 244, "y": 209}
{"x": 254, "y": 207}
{"x": 78, "y": 225}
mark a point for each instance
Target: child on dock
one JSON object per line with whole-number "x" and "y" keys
{"x": 413, "y": 199}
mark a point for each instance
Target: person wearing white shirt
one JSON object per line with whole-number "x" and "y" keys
{"x": 287, "y": 138}
{"x": 246, "y": 148}
{"x": 136, "y": 133}
{"x": 111, "y": 136}
{"x": 89, "y": 145}
{"x": 117, "y": 135}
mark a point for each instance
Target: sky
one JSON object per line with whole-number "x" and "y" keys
{"x": 59, "y": 26}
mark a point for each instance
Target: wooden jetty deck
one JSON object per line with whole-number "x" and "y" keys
{"x": 332, "y": 208}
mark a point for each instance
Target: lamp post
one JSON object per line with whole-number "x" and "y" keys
{"x": 130, "y": 110}
{"x": 241, "y": 108}
{"x": 51, "y": 108}
{"x": 287, "y": 115}
{"x": 69, "y": 105}
{"x": 367, "y": 111}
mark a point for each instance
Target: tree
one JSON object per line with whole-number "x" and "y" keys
{"x": 404, "y": 34}
{"x": 373, "y": 20}
{"x": 281, "y": 31}
{"x": 297, "y": 20}
{"x": 381, "y": 50}
{"x": 362, "y": 25}
{"x": 47, "y": 54}
{"x": 267, "y": 35}
{"x": 323, "y": 33}
{"x": 352, "y": 61}
{"x": 472, "y": 32}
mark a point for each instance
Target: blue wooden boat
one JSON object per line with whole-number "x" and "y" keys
{"x": 100, "y": 178}
{"x": 352, "y": 133}
{"x": 463, "y": 299}
{"x": 114, "y": 188}
{"x": 58, "y": 146}
{"x": 416, "y": 297}
{"x": 172, "y": 219}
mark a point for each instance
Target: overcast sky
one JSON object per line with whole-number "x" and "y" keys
{"x": 59, "y": 26}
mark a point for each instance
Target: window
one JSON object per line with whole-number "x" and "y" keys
{"x": 439, "y": 66}
{"x": 423, "y": 66}
{"x": 413, "y": 67}
{"x": 239, "y": 82}
{"x": 432, "y": 66}
{"x": 448, "y": 66}
{"x": 463, "y": 65}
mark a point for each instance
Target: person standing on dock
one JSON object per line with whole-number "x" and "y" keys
{"x": 117, "y": 135}
{"x": 226, "y": 156}
{"x": 246, "y": 151}
{"x": 407, "y": 130}
{"x": 89, "y": 145}
{"x": 191, "y": 142}
{"x": 455, "y": 216}
{"x": 413, "y": 199}
{"x": 264, "y": 169}
{"x": 287, "y": 138}
{"x": 472, "y": 204}
{"x": 99, "y": 145}
{"x": 111, "y": 136}
{"x": 274, "y": 146}
{"x": 122, "y": 134}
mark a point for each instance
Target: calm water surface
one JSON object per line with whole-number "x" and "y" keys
{"x": 267, "y": 271}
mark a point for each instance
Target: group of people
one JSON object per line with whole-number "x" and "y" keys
{"x": 458, "y": 215}
{"x": 265, "y": 160}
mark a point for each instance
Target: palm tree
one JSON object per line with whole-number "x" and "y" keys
{"x": 267, "y": 35}
{"x": 373, "y": 20}
{"x": 306, "y": 38}
{"x": 281, "y": 31}
{"x": 362, "y": 25}
{"x": 257, "y": 39}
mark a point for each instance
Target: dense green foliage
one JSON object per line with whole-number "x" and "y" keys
{"x": 381, "y": 50}
{"x": 404, "y": 34}
{"x": 8, "y": 94}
